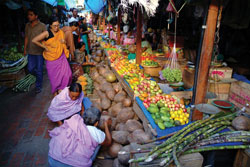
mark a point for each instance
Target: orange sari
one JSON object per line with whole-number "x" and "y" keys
{"x": 55, "y": 47}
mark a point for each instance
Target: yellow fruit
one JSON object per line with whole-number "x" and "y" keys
{"x": 81, "y": 78}
{"x": 83, "y": 83}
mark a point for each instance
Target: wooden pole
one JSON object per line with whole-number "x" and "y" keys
{"x": 138, "y": 36}
{"x": 119, "y": 27}
{"x": 206, "y": 56}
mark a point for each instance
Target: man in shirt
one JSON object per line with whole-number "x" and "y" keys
{"x": 68, "y": 31}
{"x": 34, "y": 52}
{"x": 77, "y": 141}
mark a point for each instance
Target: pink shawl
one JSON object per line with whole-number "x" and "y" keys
{"x": 63, "y": 107}
{"x": 71, "y": 143}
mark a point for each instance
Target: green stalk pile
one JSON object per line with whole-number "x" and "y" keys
{"x": 23, "y": 85}
{"x": 16, "y": 68}
{"x": 195, "y": 138}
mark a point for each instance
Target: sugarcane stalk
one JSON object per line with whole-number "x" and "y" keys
{"x": 213, "y": 148}
{"x": 202, "y": 123}
{"x": 168, "y": 145}
{"x": 232, "y": 133}
{"x": 193, "y": 140}
{"x": 222, "y": 140}
{"x": 176, "y": 161}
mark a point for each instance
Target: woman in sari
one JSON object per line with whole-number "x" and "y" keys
{"x": 67, "y": 103}
{"x": 55, "y": 54}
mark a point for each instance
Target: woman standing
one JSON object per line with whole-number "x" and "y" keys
{"x": 55, "y": 54}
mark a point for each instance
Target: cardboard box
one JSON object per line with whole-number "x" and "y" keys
{"x": 220, "y": 73}
{"x": 239, "y": 94}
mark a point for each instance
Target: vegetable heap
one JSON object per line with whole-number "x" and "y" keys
{"x": 23, "y": 85}
{"x": 11, "y": 54}
{"x": 16, "y": 68}
{"x": 86, "y": 83}
{"x": 196, "y": 137}
{"x": 172, "y": 75}
{"x": 150, "y": 63}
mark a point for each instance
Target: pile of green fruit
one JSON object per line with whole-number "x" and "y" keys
{"x": 11, "y": 54}
{"x": 150, "y": 63}
{"x": 161, "y": 116}
{"x": 172, "y": 75}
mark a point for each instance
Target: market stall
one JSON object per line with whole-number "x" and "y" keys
{"x": 169, "y": 114}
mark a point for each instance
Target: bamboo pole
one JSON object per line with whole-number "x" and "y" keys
{"x": 206, "y": 56}
{"x": 138, "y": 36}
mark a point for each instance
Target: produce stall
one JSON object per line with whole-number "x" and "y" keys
{"x": 143, "y": 75}
{"x": 12, "y": 65}
{"x": 144, "y": 90}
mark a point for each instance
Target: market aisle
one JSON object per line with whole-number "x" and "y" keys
{"x": 24, "y": 127}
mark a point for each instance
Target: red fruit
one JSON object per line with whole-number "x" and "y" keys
{"x": 184, "y": 110}
{"x": 177, "y": 105}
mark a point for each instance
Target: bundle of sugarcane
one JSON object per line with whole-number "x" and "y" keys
{"x": 196, "y": 137}
{"x": 24, "y": 84}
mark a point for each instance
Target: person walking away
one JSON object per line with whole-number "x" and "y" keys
{"x": 34, "y": 52}
{"x": 55, "y": 54}
{"x": 68, "y": 31}
{"x": 66, "y": 104}
{"x": 77, "y": 142}
{"x": 84, "y": 34}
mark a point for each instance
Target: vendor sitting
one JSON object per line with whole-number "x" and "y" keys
{"x": 81, "y": 54}
{"x": 66, "y": 104}
{"x": 77, "y": 141}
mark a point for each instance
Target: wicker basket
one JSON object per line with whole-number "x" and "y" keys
{"x": 152, "y": 71}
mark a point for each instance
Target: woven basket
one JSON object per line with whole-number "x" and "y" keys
{"x": 152, "y": 71}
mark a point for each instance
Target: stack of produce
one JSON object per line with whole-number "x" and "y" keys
{"x": 124, "y": 67}
{"x": 166, "y": 111}
{"x": 172, "y": 75}
{"x": 23, "y": 85}
{"x": 86, "y": 83}
{"x": 11, "y": 54}
{"x": 134, "y": 79}
{"x": 115, "y": 104}
{"x": 150, "y": 63}
{"x": 114, "y": 55}
{"x": 16, "y": 68}
{"x": 147, "y": 88}
{"x": 198, "y": 137}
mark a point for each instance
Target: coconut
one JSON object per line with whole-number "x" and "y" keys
{"x": 125, "y": 114}
{"x": 114, "y": 149}
{"x": 124, "y": 155}
{"x": 127, "y": 102}
{"x": 241, "y": 123}
{"x": 97, "y": 59}
{"x": 99, "y": 53}
{"x": 103, "y": 119}
{"x": 120, "y": 137}
{"x": 132, "y": 125}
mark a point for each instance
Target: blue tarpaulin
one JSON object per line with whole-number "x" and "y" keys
{"x": 96, "y": 6}
{"x": 69, "y": 4}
